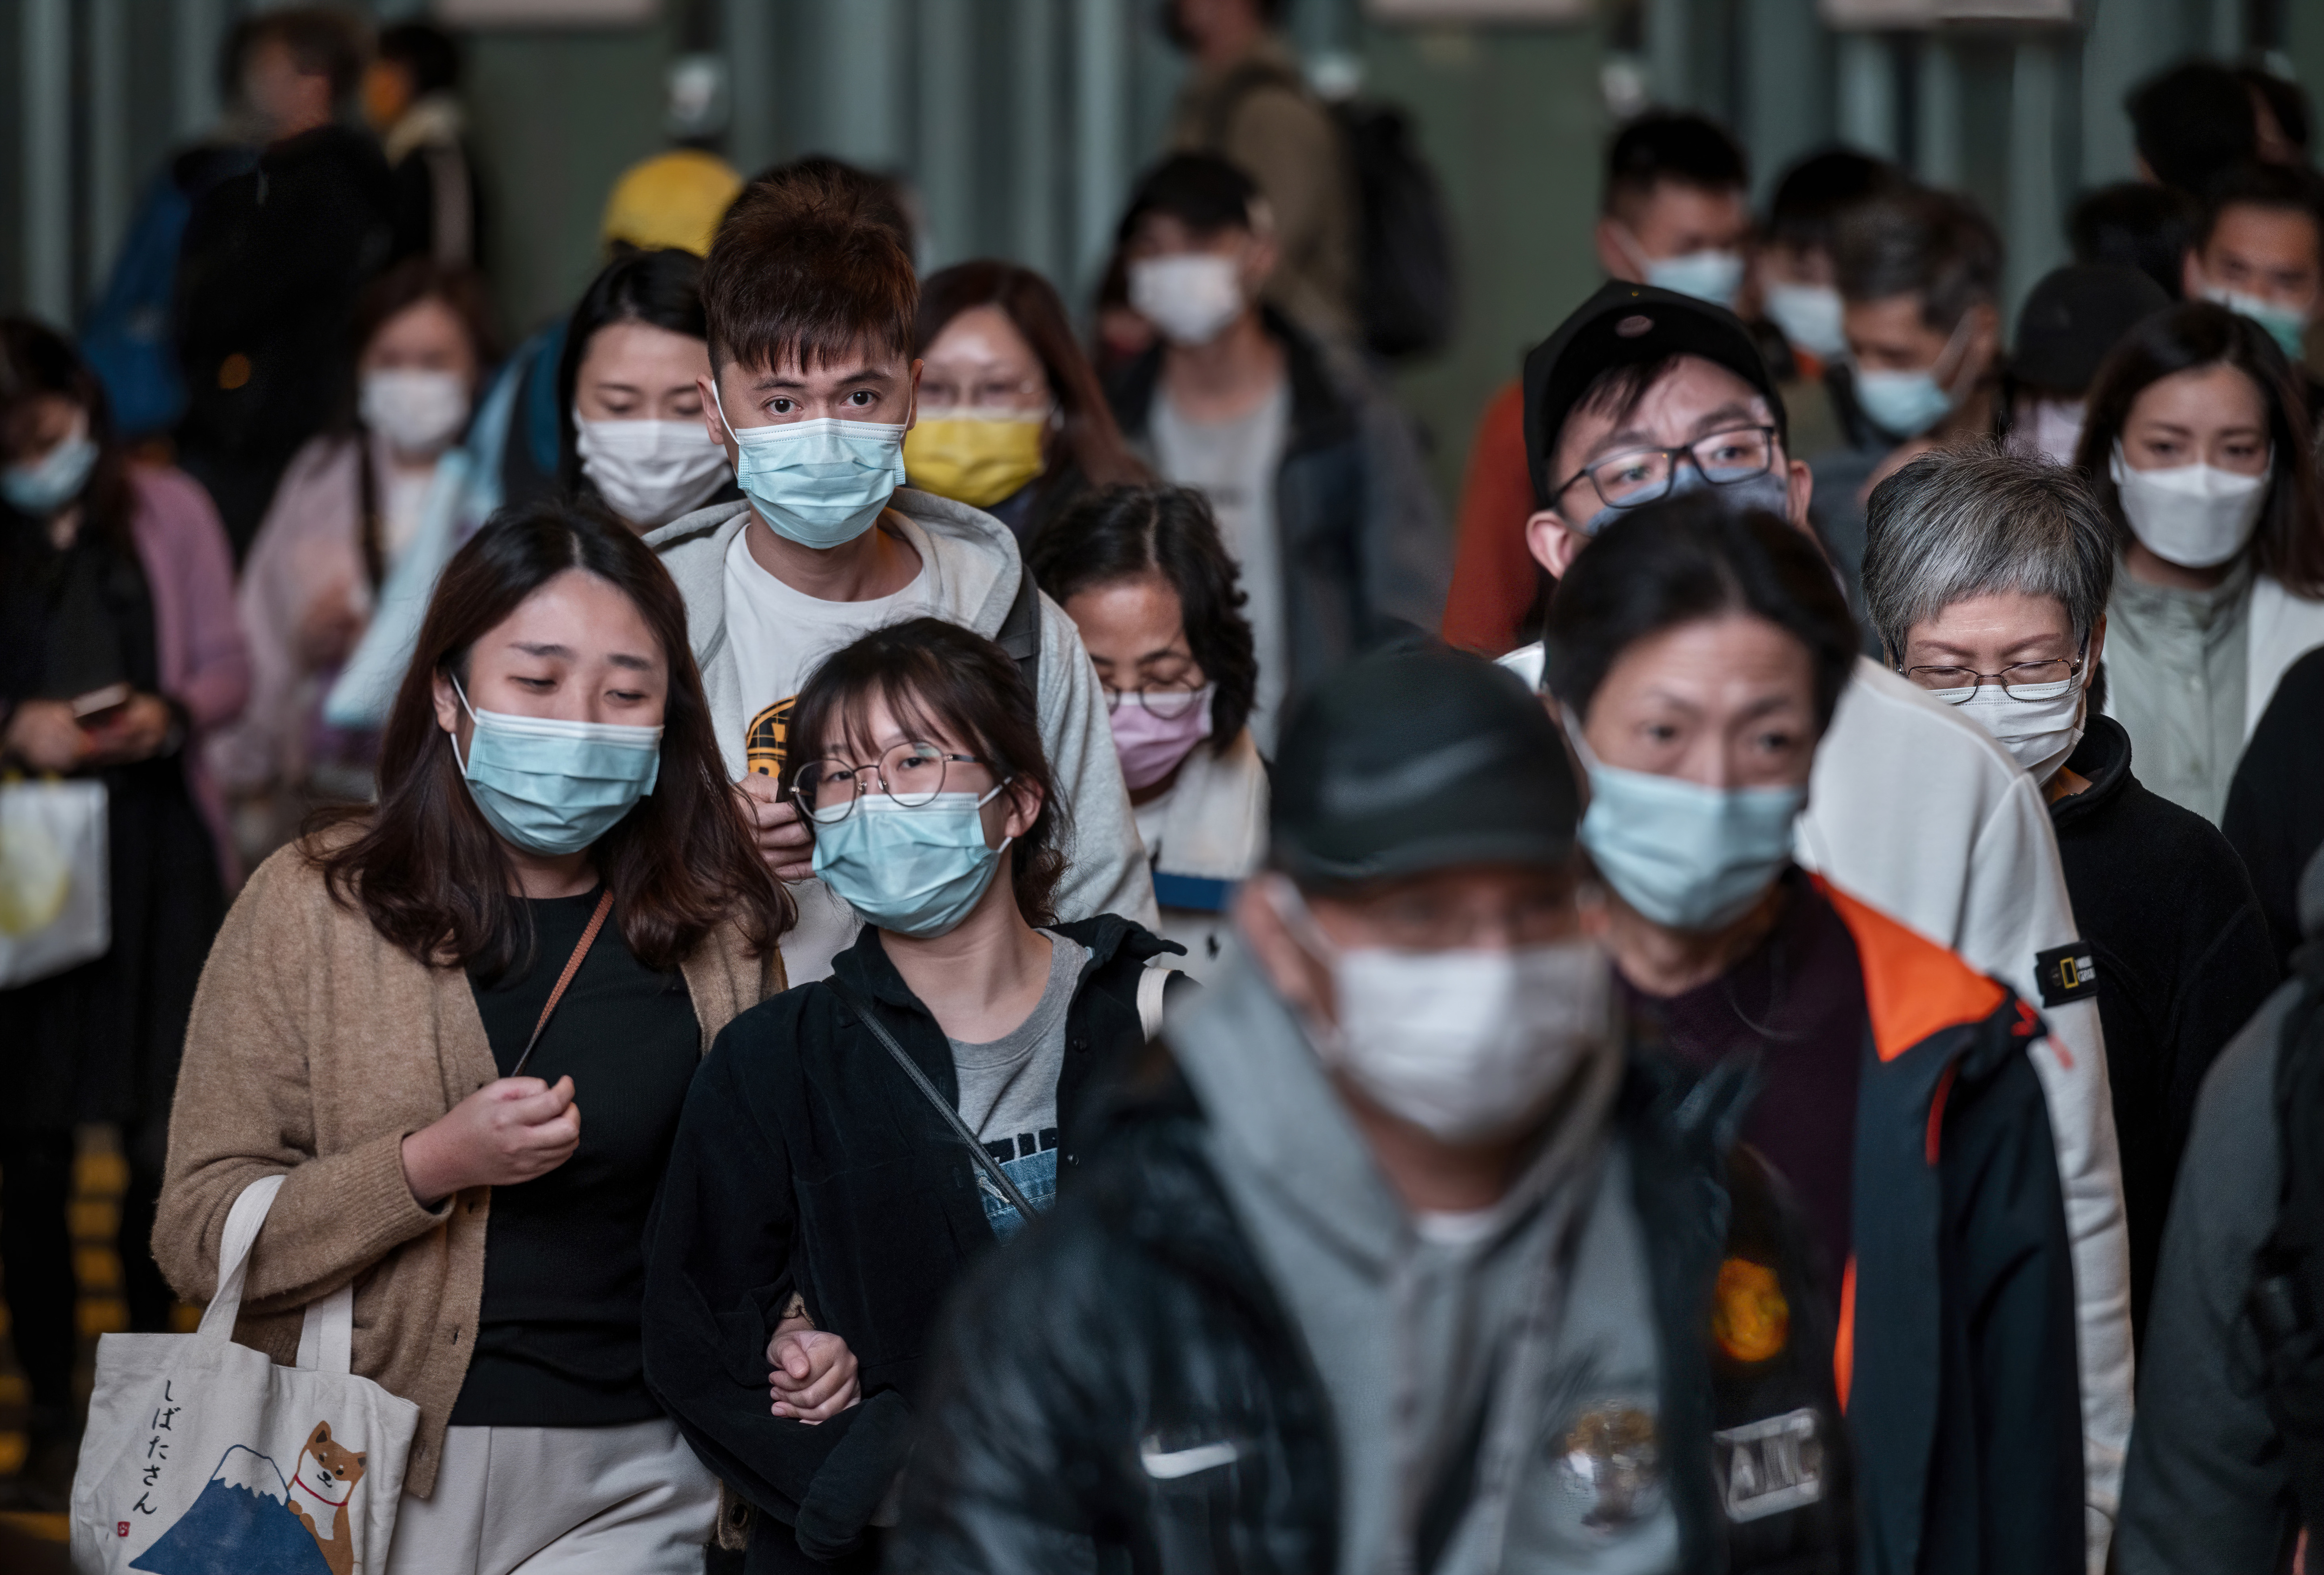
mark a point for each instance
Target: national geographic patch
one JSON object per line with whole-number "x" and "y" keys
{"x": 2067, "y": 973}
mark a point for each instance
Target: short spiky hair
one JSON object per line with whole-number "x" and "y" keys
{"x": 806, "y": 269}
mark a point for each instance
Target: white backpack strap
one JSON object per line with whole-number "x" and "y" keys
{"x": 327, "y": 1335}
{"x": 242, "y": 1225}
{"x": 1151, "y": 983}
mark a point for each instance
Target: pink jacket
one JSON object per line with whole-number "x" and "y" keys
{"x": 205, "y": 666}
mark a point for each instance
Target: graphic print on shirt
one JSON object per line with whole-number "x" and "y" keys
{"x": 765, "y": 741}
{"x": 1029, "y": 1159}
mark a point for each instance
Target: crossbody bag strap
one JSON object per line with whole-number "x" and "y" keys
{"x": 991, "y": 1167}
{"x": 572, "y": 967}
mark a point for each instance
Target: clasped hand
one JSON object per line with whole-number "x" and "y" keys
{"x": 812, "y": 1373}
{"x": 509, "y": 1130}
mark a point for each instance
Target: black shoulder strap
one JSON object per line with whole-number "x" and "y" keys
{"x": 991, "y": 1166}
{"x": 1020, "y": 633}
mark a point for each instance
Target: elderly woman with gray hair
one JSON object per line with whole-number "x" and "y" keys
{"x": 1986, "y": 577}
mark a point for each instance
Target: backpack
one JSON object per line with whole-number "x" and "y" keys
{"x": 1404, "y": 283}
{"x": 2287, "y": 1294}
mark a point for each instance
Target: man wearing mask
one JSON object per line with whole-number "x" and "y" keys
{"x": 1913, "y": 807}
{"x": 2261, "y": 253}
{"x": 1305, "y": 459}
{"x": 1395, "y": 1261}
{"x": 1246, "y": 101}
{"x": 1796, "y": 281}
{"x": 271, "y": 262}
{"x": 808, "y": 297}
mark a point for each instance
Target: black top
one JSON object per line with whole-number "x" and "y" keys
{"x": 2182, "y": 958}
{"x": 2275, "y": 804}
{"x": 557, "y": 1344}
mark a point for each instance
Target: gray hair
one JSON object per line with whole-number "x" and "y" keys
{"x": 1958, "y": 523}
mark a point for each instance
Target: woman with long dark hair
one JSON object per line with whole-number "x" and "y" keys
{"x": 118, "y": 656}
{"x": 2198, "y": 444}
{"x": 852, "y": 1144}
{"x": 1010, "y": 417}
{"x": 629, "y": 399}
{"x": 551, "y": 909}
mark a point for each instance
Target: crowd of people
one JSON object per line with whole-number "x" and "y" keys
{"x": 872, "y": 931}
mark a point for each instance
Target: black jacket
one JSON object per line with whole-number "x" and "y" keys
{"x": 1137, "y": 1317}
{"x": 1364, "y": 549}
{"x": 2275, "y": 804}
{"x": 2183, "y": 960}
{"x": 807, "y": 1163}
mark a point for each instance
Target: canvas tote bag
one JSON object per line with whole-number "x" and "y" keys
{"x": 56, "y": 905}
{"x": 204, "y": 1458}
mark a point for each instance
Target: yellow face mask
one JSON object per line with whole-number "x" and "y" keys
{"x": 975, "y": 459}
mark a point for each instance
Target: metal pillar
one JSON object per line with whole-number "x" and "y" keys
{"x": 948, "y": 131}
{"x": 863, "y": 102}
{"x": 1784, "y": 114}
{"x": 109, "y": 175}
{"x": 197, "y": 29}
{"x": 2035, "y": 245}
{"x": 47, "y": 101}
{"x": 748, "y": 28}
{"x": 1669, "y": 38}
{"x": 1034, "y": 135}
{"x": 1938, "y": 123}
{"x": 1867, "y": 94}
{"x": 1101, "y": 152}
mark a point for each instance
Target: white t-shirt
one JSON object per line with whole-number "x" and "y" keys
{"x": 1233, "y": 464}
{"x": 779, "y": 635}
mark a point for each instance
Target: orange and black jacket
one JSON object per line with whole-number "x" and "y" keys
{"x": 1955, "y": 1358}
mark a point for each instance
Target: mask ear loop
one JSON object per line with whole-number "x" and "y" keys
{"x": 472, "y": 718}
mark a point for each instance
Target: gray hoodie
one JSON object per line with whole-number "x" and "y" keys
{"x": 970, "y": 576}
{"x": 1521, "y": 1349}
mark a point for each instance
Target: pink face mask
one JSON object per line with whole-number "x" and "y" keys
{"x": 1151, "y": 745}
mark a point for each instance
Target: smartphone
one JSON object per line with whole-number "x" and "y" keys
{"x": 102, "y": 707}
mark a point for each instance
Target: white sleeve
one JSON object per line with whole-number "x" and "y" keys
{"x": 1105, "y": 870}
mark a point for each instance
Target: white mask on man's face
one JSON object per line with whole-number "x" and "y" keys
{"x": 1191, "y": 297}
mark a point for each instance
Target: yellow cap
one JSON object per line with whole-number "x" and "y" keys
{"x": 671, "y": 199}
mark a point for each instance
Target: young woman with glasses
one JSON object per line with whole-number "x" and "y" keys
{"x": 850, "y": 1148}
{"x": 1144, "y": 575}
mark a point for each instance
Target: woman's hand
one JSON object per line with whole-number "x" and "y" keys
{"x": 813, "y": 1372}
{"x": 507, "y": 1131}
{"x": 776, "y": 828}
{"x": 46, "y": 736}
{"x": 138, "y": 732}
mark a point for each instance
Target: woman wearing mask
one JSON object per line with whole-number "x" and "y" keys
{"x": 1011, "y": 419}
{"x": 385, "y": 486}
{"x": 822, "y": 1195}
{"x": 2196, "y": 444}
{"x": 1987, "y": 578}
{"x": 118, "y": 654}
{"x": 1144, "y": 576}
{"x": 1696, "y": 657}
{"x": 631, "y": 439}
{"x": 460, "y": 1024}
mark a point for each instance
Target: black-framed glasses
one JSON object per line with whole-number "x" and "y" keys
{"x": 912, "y": 774}
{"x": 1625, "y": 481}
{"x": 1959, "y": 685}
{"x": 943, "y": 393}
{"x": 1169, "y": 702}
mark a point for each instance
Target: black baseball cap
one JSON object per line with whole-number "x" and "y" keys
{"x": 1418, "y": 759}
{"x": 1620, "y": 325}
{"x": 2074, "y": 317}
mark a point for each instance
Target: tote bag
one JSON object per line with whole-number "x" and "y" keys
{"x": 56, "y": 908}
{"x": 204, "y": 1458}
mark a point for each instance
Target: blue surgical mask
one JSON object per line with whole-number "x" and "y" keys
{"x": 1683, "y": 855}
{"x": 1905, "y": 404}
{"x": 1770, "y": 491}
{"x": 1810, "y": 316}
{"x": 916, "y": 871}
{"x": 2287, "y": 328}
{"x": 40, "y": 487}
{"x": 1706, "y": 275}
{"x": 554, "y": 788}
{"x": 820, "y": 483}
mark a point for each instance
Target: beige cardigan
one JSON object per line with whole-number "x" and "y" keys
{"x": 315, "y": 1047}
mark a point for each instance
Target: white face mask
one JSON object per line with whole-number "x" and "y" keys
{"x": 1466, "y": 1044}
{"x": 2041, "y": 731}
{"x": 1710, "y": 275}
{"x": 1810, "y": 316}
{"x": 419, "y": 412}
{"x": 1190, "y": 297}
{"x": 650, "y": 472}
{"x": 2197, "y": 516}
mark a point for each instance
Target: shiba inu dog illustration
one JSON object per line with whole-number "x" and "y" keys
{"x": 320, "y": 1488}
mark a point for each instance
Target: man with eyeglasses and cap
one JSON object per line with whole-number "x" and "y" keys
{"x": 1912, "y": 807}
{"x": 1392, "y": 1260}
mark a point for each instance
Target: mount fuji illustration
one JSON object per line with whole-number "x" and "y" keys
{"x": 244, "y": 1524}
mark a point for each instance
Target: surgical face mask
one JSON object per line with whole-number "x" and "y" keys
{"x": 417, "y": 411}
{"x": 1191, "y": 297}
{"x": 976, "y": 457}
{"x": 2286, "y": 327}
{"x": 2197, "y": 516}
{"x": 2051, "y": 428}
{"x": 650, "y": 472}
{"x": 1905, "y": 404}
{"x": 1808, "y": 316}
{"x": 1467, "y": 1045}
{"x": 1685, "y": 856}
{"x": 820, "y": 483}
{"x": 1769, "y": 492}
{"x": 1151, "y": 745}
{"x": 2040, "y": 726}
{"x": 1709, "y": 274}
{"x": 44, "y": 486}
{"x": 915, "y": 871}
{"x": 554, "y": 788}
